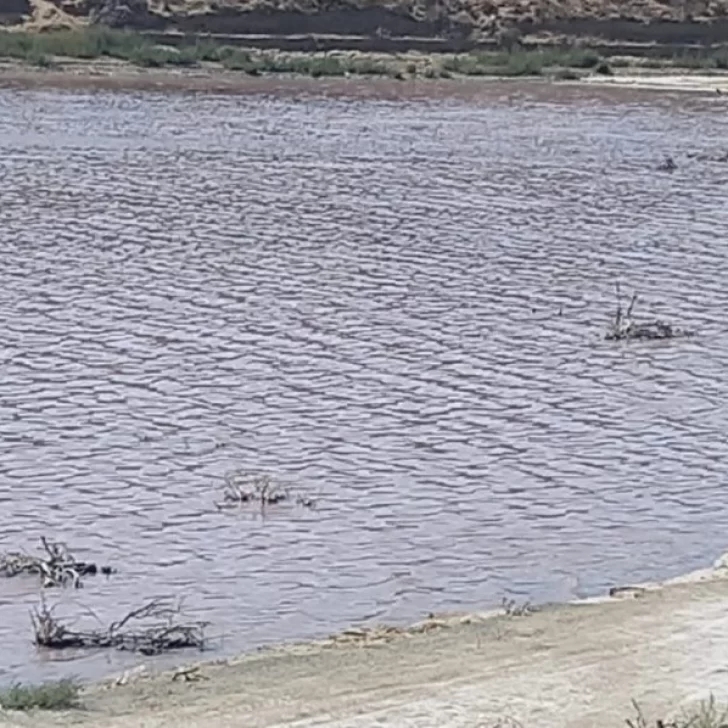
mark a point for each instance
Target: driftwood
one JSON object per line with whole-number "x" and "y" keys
{"x": 623, "y": 328}
{"x": 189, "y": 674}
{"x": 243, "y": 488}
{"x": 150, "y": 630}
{"x": 57, "y": 567}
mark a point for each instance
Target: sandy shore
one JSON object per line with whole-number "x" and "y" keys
{"x": 575, "y": 665}
{"x": 110, "y": 75}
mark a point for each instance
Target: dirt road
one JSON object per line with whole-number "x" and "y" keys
{"x": 560, "y": 667}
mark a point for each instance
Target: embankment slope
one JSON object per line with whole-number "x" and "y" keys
{"x": 679, "y": 21}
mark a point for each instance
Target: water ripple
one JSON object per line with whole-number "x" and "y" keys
{"x": 394, "y": 305}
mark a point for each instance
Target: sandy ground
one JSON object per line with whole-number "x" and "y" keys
{"x": 665, "y": 646}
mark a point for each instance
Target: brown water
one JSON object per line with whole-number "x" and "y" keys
{"x": 360, "y": 295}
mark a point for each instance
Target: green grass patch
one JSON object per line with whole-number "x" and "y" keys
{"x": 567, "y": 74}
{"x": 84, "y": 44}
{"x": 41, "y": 60}
{"x": 466, "y": 64}
{"x": 186, "y": 57}
{"x": 328, "y": 66}
{"x": 304, "y": 65}
{"x": 236, "y": 60}
{"x": 205, "y": 50}
{"x": 370, "y": 67}
{"x": 149, "y": 56}
{"x": 60, "y": 695}
{"x": 521, "y": 62}
{"x": 524, "y": 64}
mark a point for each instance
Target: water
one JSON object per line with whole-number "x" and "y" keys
{"x": 359, "y": 294}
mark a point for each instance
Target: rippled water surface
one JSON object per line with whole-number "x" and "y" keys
{"x": 394, "y": 305}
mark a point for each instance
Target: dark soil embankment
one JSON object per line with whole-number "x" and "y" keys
{"x": 640, "y": 21}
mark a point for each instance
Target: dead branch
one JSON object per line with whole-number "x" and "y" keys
{"x": 189, "y": 674}
{"x": 243, "y": 488}
{"x": 624, "y": 328}
{"x": 151, "y": 630}
{"x": 56, "y": 568}
{"x": 631, "y": 306}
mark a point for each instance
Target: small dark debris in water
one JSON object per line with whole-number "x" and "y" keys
{"x": 624, "y": 328}
{"x": 302, "y": 500}
{"x": 667, "y": 165}
{"x": 723, "y": 158}
{"x": 651, "y": 330}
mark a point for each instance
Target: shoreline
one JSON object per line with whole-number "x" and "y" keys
{"x": 120, "y": 76}
{"x": 581, "y": 663}
{"x": 111, "y": 59}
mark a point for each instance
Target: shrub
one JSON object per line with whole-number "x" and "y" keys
{"x": 60, "y": 695}
{"x": 149, "y": 56}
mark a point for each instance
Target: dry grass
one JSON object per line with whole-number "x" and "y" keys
{"x": 707, "y": 715}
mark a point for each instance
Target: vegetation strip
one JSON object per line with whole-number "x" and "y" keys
{"x": 45, "y": 49}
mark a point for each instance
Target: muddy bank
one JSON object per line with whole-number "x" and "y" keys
{"x": 579, "y": 664}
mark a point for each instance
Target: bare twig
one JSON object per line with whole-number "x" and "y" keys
{"x": 618, "y": 315}
{"x": 631, "y": 306}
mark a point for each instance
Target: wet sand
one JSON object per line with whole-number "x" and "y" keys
{"x": 580, "y": 664}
